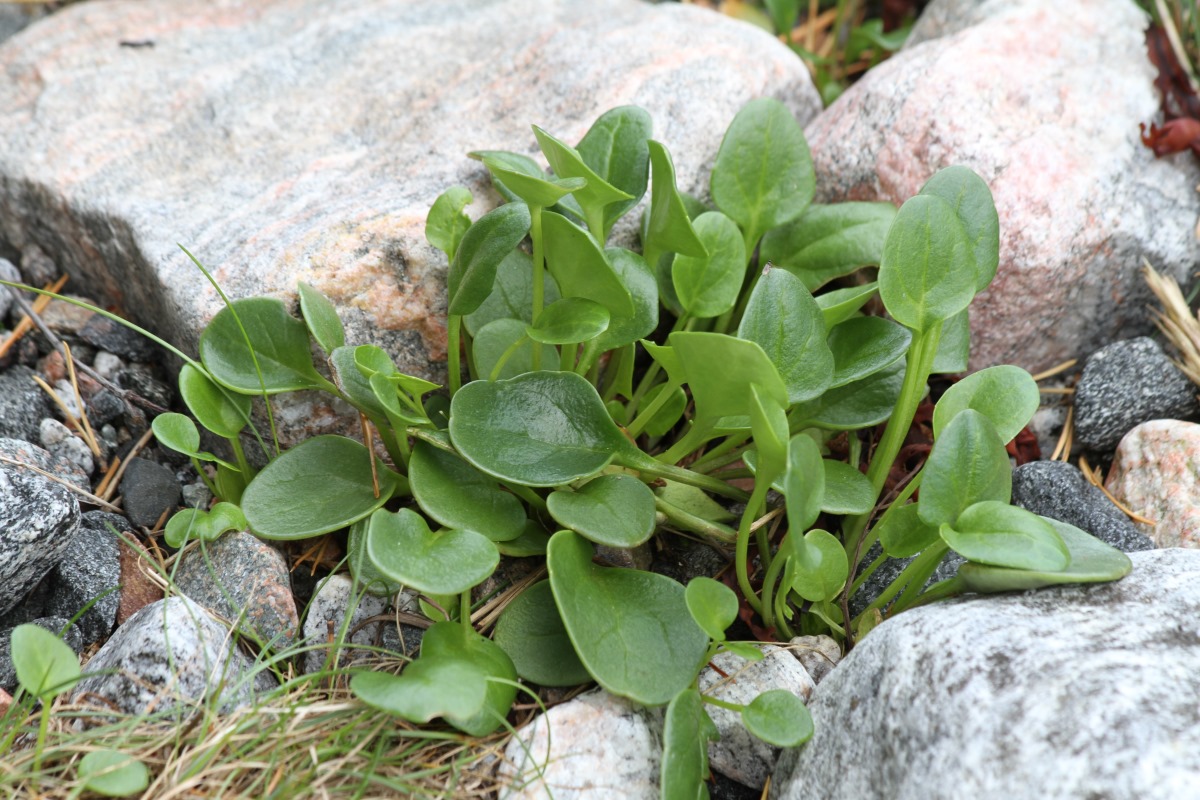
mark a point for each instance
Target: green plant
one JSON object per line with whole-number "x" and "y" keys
{"x": 597, "y": 371}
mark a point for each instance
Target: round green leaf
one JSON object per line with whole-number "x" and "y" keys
{"x": 842, "y": 304}
{"x": 402, "y": 548}
{"x": 223, "y": 412}
{"x": 320, "y": 485}
{"x": 927, "y": 273}
{"x": 192, "y": 523}
{"x": 447, "y": 222}
{"x": 321, "y": 318}
{"x": 996, "y": 533}
{"x": 687, "y": 731}
{"x": 44, "y": 664}
{"x": 535, "y": 191}
{"x": 763, "y": 176}
{"x": 631, "y": 629}
{"x": 496, "y": 337}
{"x": 712, "y": 604}
{"x": 785, "y": 320}
{"x": 847, "y": 491}
{"x": 568, "y": 321}
{"x": 860, "y": 404}
{"x": 483, "y": 247}
{"x": 452, "y": 640}
{"x": 512, "y": 293}
{"x": 281, "y": 355}
{"x": 864, "y": 345}
{"x": 532, "y": 633}
{"x": 361, "y": 568}
{"x": 429, "y": 688}
{"x": 457, "y": 495}
{"x": 537, "y": 429}
{"x": 778, "y": 717}
{"x": 1008, "y": 396}
{"x": 820, "y": 563}
{"x": 803, "y": 482}
{"x": 176, "y": 432}
{"x": 829, "y": 241}
{"x": 708, "y": 285}
{"x": 971, "y": 199}
{"x": 113, "y": 773}
{"x": 902, "y": 533}
{"x": 616, "y": 510}
{"x": 968, "y": 464}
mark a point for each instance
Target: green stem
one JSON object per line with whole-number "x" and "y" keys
{"x": 712, "y": 701}
{"x": 212, "y": 488}
{"x": 742, "y": 552}
{"x": 539, "y": 276}
{"x": 871, "y": 535}
{"x": 43, "y": 729}
{"x": 768, "y": 590}
{"x": 469, "y": 351}
{"x": 693, "y": 437}
{"x": 725, "y": 453}
{"x": 648, "y": 466}
{"x": 566, "y": 357}
{"x": 528, "y": 495}
{"x": 928, "y": 560}
{"x": 508, "y": 353}
{"x": 635, "y": 428}
{"x": 243, "y": 463}
{"x": 938, "y": 591}
{"x": 453, "y": 367}
{"x": 464, "y": 609}
{"x": 713, "y": 532}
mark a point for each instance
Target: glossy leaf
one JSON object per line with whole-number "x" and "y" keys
{"x": 113, "y": 773}
{"x": 566, "y": 162}
{"x": 570, "y": 320}
{"x": 927, "y": 273}
{"x": 968, "y": 464}
{"x": 537, "y": 429}
{"x": 321, "y": 318}
{"x": 614, "y": 510}
{"x": 954, "y": 348}
{"x": 804, "y": 482}
{"x": 534, "y": 191}
{"x": 579, "y": 266}
{"x": 668, "y": 228}
{"x": 820, "y": 563}
{"x": 364, "y": 572}
{"x": 778, "y": 717}
{"x": 708, "y": 285}
{"x": 44, "y": 664}
{"x": 177, "y": 432}
{"x": 786, "y": 322}
{"x": 280, "y": 343}
{"x": 763, "y": 176}
{"x": 829, "y": 241}
{"x": 320, "y": 485}
{"x": 531, "y": 542}
{"x": 671, "y": 412}
{"x": 996, "y": 533}
{"x": 864, "y": 345}
{"x": 357, "y": 386}
{"x": 455, "y": 494}
{"x": 429, "y": 688}
{"x": 631, "y": 629}
{"x": 403, "y": 548}
{"x": 223, "y": 412}
{"x": 494, "y": 339}
{"x": 532, "y": 633}
{"x": 725, "y": 392}
{"x": 769, "y": 425}
{"x": 616, "y": 148}
{"x": 448, "y": 221}
{"x": 643, "y": 291}
{"x": 516, "y": 162}
{"x": 1008, "y": 396}
{"x": 847, "y": 491}
{"x": 512, "y": 293}
{"x": 971, "y": 199}
{"x": 856, "y": 405}
{"x": 485, "y": 244}
{"x": 1091, "y": 561}
{"x": 712, "y": 604}
{"x": 453, "y": 641}
{"x": 687, "y": 732}
{"x": 842, "y": 304}
{"x": 193, "y": 523}
{"x": 902, "y": 533}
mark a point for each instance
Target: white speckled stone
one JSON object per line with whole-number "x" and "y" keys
{"x": 1156, "y": 474}
{"x": 1071, "y": 693}
{"x": 59, "y": 441}
{"x": 327, "y": 613}
{"x": 739, "y": 754}
{"x": 1042, "y": 98}
{"x": 818, "y": 654}
{"x": 38, "y": 520}
{"x": 595, "y": 746}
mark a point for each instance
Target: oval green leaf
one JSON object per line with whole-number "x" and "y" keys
{"x": 856, "y": 405}
{"x": 667, "y": 227}
{"x": 447, "y": 221}
{"x": 995, "y": 533}
{"x": 567, "y": 163}
{"x": 1008, "y": 396}
{"x": 532, "y": 633}
{"x": 457, "y": 495}
{"x": 687, "y": 732}
{"x": 725, "y": 392}
{"x": 281, "y": 355}
{"x": 902, "y": 533}
{"x": 643, "y": 290}
{"x": 321, "y": 318}
{"x": 429, "y": 688}
{"x": 712, "y": 604}
{"x": 847, "y": 491}
{"x": 516, "y": 162}
{"x": 454, "y": 641}
{"x": 786, "y": 322}
{"x": 361, "y": 568}
{"x": 708, "y": 285}
{"x": 569, "y": 321}
{"x": 403, "y": 549}
{"x": 769, "y": 426}
{"x": 971, "y": 199}
{"x": 842, "y": 304}
{"x": 968, "y": 464}
{"x": 829, "y": 241}
{"x": 614, "y": 510}
{"x": 820, "y": 563}
{"x": 539, "y": 192}
{"x": 483, "y": 247}
{"x": 864, "y": 345}
{"x": 803, "y": 482}
{"x": 223, "y": 412}
{"x": 113, "y": 773}
{"x": 44, "y": 664}
{"x": 616, "y": 148}
{"x": 778, "y": 717}
{"x": 954, "y": 348}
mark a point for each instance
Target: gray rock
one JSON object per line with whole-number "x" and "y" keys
{"x": 105, "y": 334}
{"x": 8, "y": 674}
{"x": 597, "y": 745}
{"x": 946, "y": 17}
{"x": 149, "y": 490}
{"x": 171, "y": 656}
{"x": 138, "y": 379}
{"x": 104, "y": 407}
{"x": 322, "y": 132}
{"x": 1069, "y": 693}
{"x": 24, "y": 453}
{"x": 15, "y": 18}
{"x": 1156, "y": 475}
{"x": 90, "y": 568}
{"x": 37, "y": 268}
{"x": 818, "y": 655}
{"x": 107, "y": 365}
{"x": 38, "y": 520}
{"x": 23, "y": 405}
{"x": 59, "y": 441}
{"x": 245, "y": 580}
{"x": 739, "y": 754}
{"x": 403, "y": 639}
{"x": 1058, "y": 490}
{"x": 1125, "y": 384}
{"x": 326, "y": 618}
{"x": 1043, "y": 100}
{"x": 8, "y": 272}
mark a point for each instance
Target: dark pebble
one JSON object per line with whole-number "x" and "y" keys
{"x": 149, "y": 490}
{"x": 1058, "y": 490}
{"x": 23, "y": 405}
{"x": 104, "y": 334}
{"x": 105, "y": 408}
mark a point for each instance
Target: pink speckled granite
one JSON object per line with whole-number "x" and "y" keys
{"x": 1043, "y": 99}
{"x": 1156, "y": 473}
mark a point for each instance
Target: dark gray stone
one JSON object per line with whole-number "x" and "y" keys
{"x": 38, "y": 520}
{"x": 23, "y": 405}
{"x": 104, "y": 407}
{"x": 889, "y": 570}
{"x": 1125, "y": 384}
{"x": 145, "y": 385}
{"x": 105, "y": 334}
{"x": 172, "y": 656}
{"x": 327, "y": 614}
{"x": 8, "y": 674}
{"x": 90, "y": 568}
{"x": 1058, "y": 490}
{"x": 149, "y": 490}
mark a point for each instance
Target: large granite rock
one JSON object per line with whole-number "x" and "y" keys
{"x": 1042, "y": 99}
{"x": 1070, "y": 692}
{"x": 38, "y": 520}
{"x": 305, "y": 139}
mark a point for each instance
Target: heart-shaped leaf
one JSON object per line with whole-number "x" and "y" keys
{"x": 280, "y": 360}
{"x": 568, "y": 321}
{"x": 804, "y": 482}
{"x": 712, "y": 604}
{"x": 537, "y": 429}
{"x": 447, "y": 221}
{"x": 457, "y": 495}
{"x": 192, "y": 523}
{"x": 829, "y": 241}
{"x": 531, "y": 542}
{"x": 537, "y": 192}
{"x": 44, "y": 664}
{"x": 429, "y": 688}
{"x": 219, "y": 410}
{"x": 532, "y": 633}
{"x": 708, "y": 285}
{"x": 902, "y": 533}
{"x": 616, "y": 148}
{"x": 321, "y": 318}
{"x": 864, "y": 345}
{"x": 579, "y": 266}
{"x": 996, "y": 533}
{"x": 725, "y": 393}
{"x": 499, "y": 337}
{"x": 361, "y": 568}
{"x": 786, "y": 322}
{"x": 971, "y": 199}
{"x": 1091, "y": 561}
{"x": 820, "y": 563}
{"x": 1008, "y": 396}
{"x": 485, "y": 244}
{"x": 860, "y": 404}
{"x": 842, "y": 304}
{"x": 403, "y": 549}
{"x": 631, "y": 629}
{"x": 177, "y": 432}
{"x": 667, "y": 227}
{"x": 687, "y": 732}
{"x": 320, "y": 485}
{"x": 763, "y": 177}
{"x": 968, "y": 464}
{"x": 778, "y": 717}
{"x": 512, "y": 293}
{"x": 616, "y": 510}
{"x": 458, "y": 642}
{"x": 113, "y": 773}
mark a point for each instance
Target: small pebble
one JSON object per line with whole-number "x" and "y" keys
{"x": 37, "y": 268}
{"x": 66, "y": 393}
{"x": 818, "y": 654}
{"x": 23, "y": 405}
{"x": 1058, "y": 490}
{"x": 107, "y": 365}
{"x": 60, "y": 441}
{"x": 150, "y": 490}
{"x": 196, "y": 495}
{"x": 1156, "y": 474}
{"x": 327, "y": 615}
